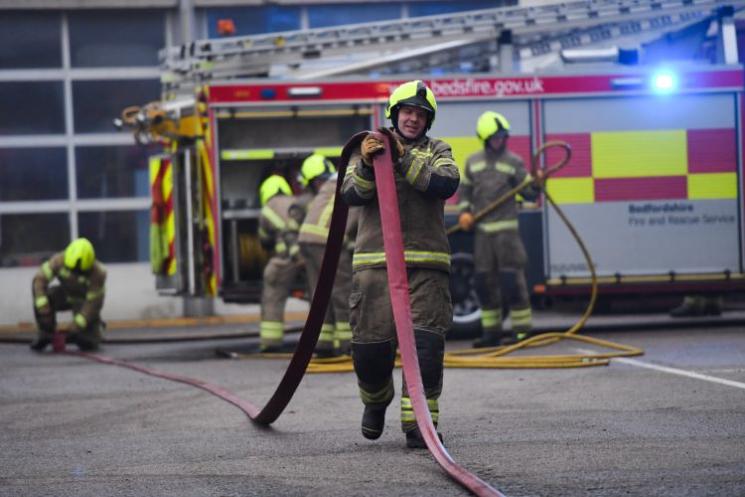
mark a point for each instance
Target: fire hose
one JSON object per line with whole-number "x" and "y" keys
{"x": 496, "y": 357}
{"x": 398, "y": 285}
{"x": 308, "y": 338}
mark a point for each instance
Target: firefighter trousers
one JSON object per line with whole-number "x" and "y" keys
{"x": 279, "y": 276}
{"x": 374, "y": 336}
{"x": 59, "y": 300}
{"x": 500, "y": 261}
{"x": 336, "y": 332}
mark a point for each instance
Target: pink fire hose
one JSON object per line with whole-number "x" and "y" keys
{"x": 399, "y": 290}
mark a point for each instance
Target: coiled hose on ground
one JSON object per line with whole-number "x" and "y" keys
{"x": 501, "y": 357}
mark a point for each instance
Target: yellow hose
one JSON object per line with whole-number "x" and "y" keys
{"x": 497, "y": 357}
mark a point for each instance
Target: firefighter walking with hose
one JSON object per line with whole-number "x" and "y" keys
{"x": 425, "y": 176}
{"x": 499, "y": 254}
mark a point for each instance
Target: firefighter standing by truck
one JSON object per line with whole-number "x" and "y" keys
{"x": 318, "y": 175}
{"x": 280, "y": 220}
{"x": 499, "y": 254}
{"x": 81, "y": 289}
{"x": 425, "y": 176}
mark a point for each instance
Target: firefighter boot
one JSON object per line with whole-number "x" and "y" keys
{"x": 430, "y": 351}
{"x": 373, "y": 421}
{"x": 491, "y": 329}
{"x": 691, "y": 307}
{"x": 415, "y": 440}
{"x": 373, "y": 364}
{"x": 40, "y": 343}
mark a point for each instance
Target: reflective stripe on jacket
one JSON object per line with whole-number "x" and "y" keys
{"x": 315, "y": 227}
{"x": 425, "y": 176}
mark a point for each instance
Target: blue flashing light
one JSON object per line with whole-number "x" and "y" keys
{"x": 268, "y": 93}
{"x": 664, "y": 82}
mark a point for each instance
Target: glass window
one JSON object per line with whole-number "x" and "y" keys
{"x": 29, "y": 40}
{"x": 33, "y": 174}
{"x": 97, "y": 103}
{"x": 29, "y": 239}
{"x": 320, "y": 16}
{"x": 36, "y": 107}
{"x": 112, "y": 171}
{"x": 118, "y": 236}
{"x": 255, "y": 20}
{"x": 116, "y": 38}
{"x": 436, "y": 8}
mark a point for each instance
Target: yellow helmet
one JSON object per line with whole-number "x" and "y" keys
{"x": 80, "y": 255}
{"x": 315, "y": 165}
{"x": 490, "y": 123}
{"x": 414, "y": 93}
{"x": 272, "y": 186}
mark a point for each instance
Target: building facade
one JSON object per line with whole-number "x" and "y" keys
{"x": 67, "y": 69}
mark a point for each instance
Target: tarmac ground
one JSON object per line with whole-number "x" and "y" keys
{"x": 671, "y": 422}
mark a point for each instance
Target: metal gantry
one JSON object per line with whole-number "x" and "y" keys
{"x": 415, "y": 44}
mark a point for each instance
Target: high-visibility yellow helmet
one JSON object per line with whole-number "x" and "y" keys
{"x": 315, "y": 165}
{"x": 272, "y": 186}
{"x": 490, "y": 123}
{"x": 414, "y": 93}
{"x": 80, "y": 255}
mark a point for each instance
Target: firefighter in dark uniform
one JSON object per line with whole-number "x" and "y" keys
{"x": 279, "y": 223}
{"x": 425, "y": 175}
{"x": 318, "y": 175}
{"x": 81, "y": 289}
{"x": 499, "y": 254}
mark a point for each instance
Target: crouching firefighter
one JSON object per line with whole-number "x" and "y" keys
{"x": 499, "y": 254}
{"x": 279, "y": 223}
{"x": 81, "y": 279}
{"x": 425, "y": 176}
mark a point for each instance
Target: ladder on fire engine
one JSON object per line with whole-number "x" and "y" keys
{"x": 439, "y": 40}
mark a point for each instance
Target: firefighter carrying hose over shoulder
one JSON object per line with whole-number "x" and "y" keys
{"x": 278, "y": 232}
{"x": 318, "y": 175}
{"x": 425, "y": 176}
{"x": 499, "y": 254}
{"x": 81, "y": 289}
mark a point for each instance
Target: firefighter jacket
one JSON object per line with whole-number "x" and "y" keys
{"x": 85, "y": 292}
{"x": 315, "y": 227}
{"x": 425, "y": 176}
{"x": 487, "y": 176}
{"x": 279, "y": 223}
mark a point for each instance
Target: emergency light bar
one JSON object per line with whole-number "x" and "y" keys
{"x": 664, "y": 81}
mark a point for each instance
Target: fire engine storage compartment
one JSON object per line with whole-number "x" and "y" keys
{"x": 255, "y": 142}
{"x": 653, "y": 191}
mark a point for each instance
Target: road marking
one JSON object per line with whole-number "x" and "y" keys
{"x": 679, "y": 372}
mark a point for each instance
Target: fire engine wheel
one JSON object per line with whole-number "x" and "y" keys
{"x": 466, "y": 305}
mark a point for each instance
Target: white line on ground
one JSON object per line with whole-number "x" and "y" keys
{"x": 676, "y": 371}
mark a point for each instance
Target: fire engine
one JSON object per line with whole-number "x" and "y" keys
{"x": 654, "y": 185}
